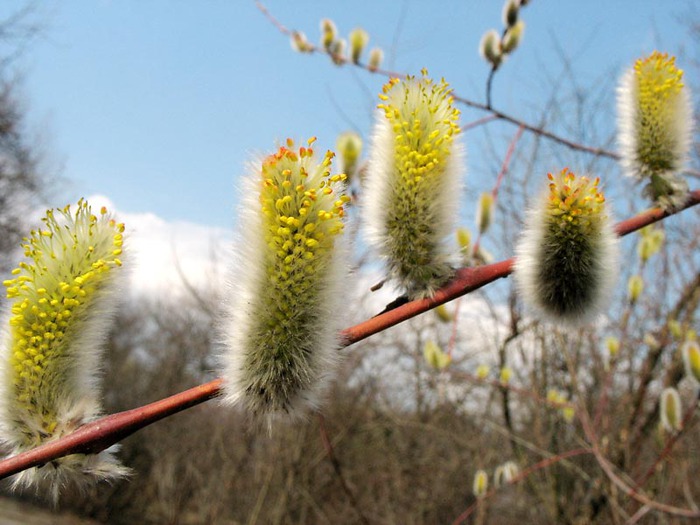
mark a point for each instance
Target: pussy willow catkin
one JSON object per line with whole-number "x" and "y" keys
{"x": 567, "y": 255}
{"x": 283, "y": 313}
{"x": 62, "y": 297}
{"x": 655, "y": 127}
{"x": 414, "y": 183}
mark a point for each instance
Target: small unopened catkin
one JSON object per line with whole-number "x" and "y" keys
{"x": 414, "y": 183}
{"x": 567, "y": 255}
{"x": 671, "y": 410}
{"x": 62, "y": 297}
{"x": 284, "y": 306}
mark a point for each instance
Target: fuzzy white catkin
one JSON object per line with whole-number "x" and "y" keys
{"x": 63, "y": 297}
{"x": 481, "y": 483}
{"x": 281, "y": 324}
{"x": 691, "y": 359}
{"x": 414, "y": 183}
{"x": 655, "y": 127}
{"x": 671, "y": 410}
{"x": 567, "y": 258}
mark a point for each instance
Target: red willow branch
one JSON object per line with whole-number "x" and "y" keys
{"x": 105, "y": 432}
{"x": 100, "y": 434}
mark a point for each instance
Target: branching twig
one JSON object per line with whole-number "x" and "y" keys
{"x": 499, "y": 180}
{"x": 328, "y": 446}
{"x": 671, "y": 442}
{"x": 621, "y": 484}
{"x": 104, "y": 432}
{"x": 467, "y": 102}
{"x": 525, "y": 473}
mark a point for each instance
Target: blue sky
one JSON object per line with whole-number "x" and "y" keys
{"x": 158, "y": 105}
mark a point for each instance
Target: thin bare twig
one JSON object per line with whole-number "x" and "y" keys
{"x": 499, "y": 180}
{"x": 479, "y": 122}
{"x": 104, "y": 432}
{"x": 621, "y": 484}
{"x": 338, "y": 469}
{"x": 525, "y": 473}
{"x": 671, "y": 442}
{"x": 601, "y": 152}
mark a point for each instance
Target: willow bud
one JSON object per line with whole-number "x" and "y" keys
{"x": 358, "y": 39}
{"x": 484, "y": 211}
{"x": 671, "y": 410}
{"x": 675, "y": 328}
{"x": 337, "y": 51}
{"x": 650, "y": 243}
{"x": 510, "y": 12}
{"x": 635, "y": 287}
{"x": 376, "y": 56}
{"x": 482, "y": 371}
{"x": 481, "y": 483}
{"x": 443, "y": 314}
{"x": 513, "y": 37}
{"x": 613, "y": 345}
{"x": 329, "y": 32}
{"x": 691, "y": 359}
{"x": 490, "y": 48}
{"x": 464, "y": 238}
{"x": 505, "y": 375}
{"x": 349, "y": 147}
{"x": 510, "y": 471}
{"x": 299, "y": 42}
{"x": 435, "y": 357}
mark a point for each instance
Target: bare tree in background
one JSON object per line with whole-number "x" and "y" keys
{"x": 22, "y": 181}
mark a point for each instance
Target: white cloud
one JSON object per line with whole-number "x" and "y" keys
{"x": 161, "y": 253}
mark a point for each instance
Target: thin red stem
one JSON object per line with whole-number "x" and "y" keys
{"x": 500, "y": 177}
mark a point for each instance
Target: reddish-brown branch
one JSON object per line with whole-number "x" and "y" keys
{"x": 104, "y": 432}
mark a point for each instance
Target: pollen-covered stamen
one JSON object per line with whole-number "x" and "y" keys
{"x": 655, "y": 123}
{"x": 575, "y": 210}
{"x": 424, "y": 123}
{"x": 575, "y": 202}
{"x": 67, "y": 261}
{"x": 303, "y": 206}
{"x": 659, "y": 85}
{"x": 61, "y": 301}
{"x": 414, "y": 179}
{"x": 567, "y": 255}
